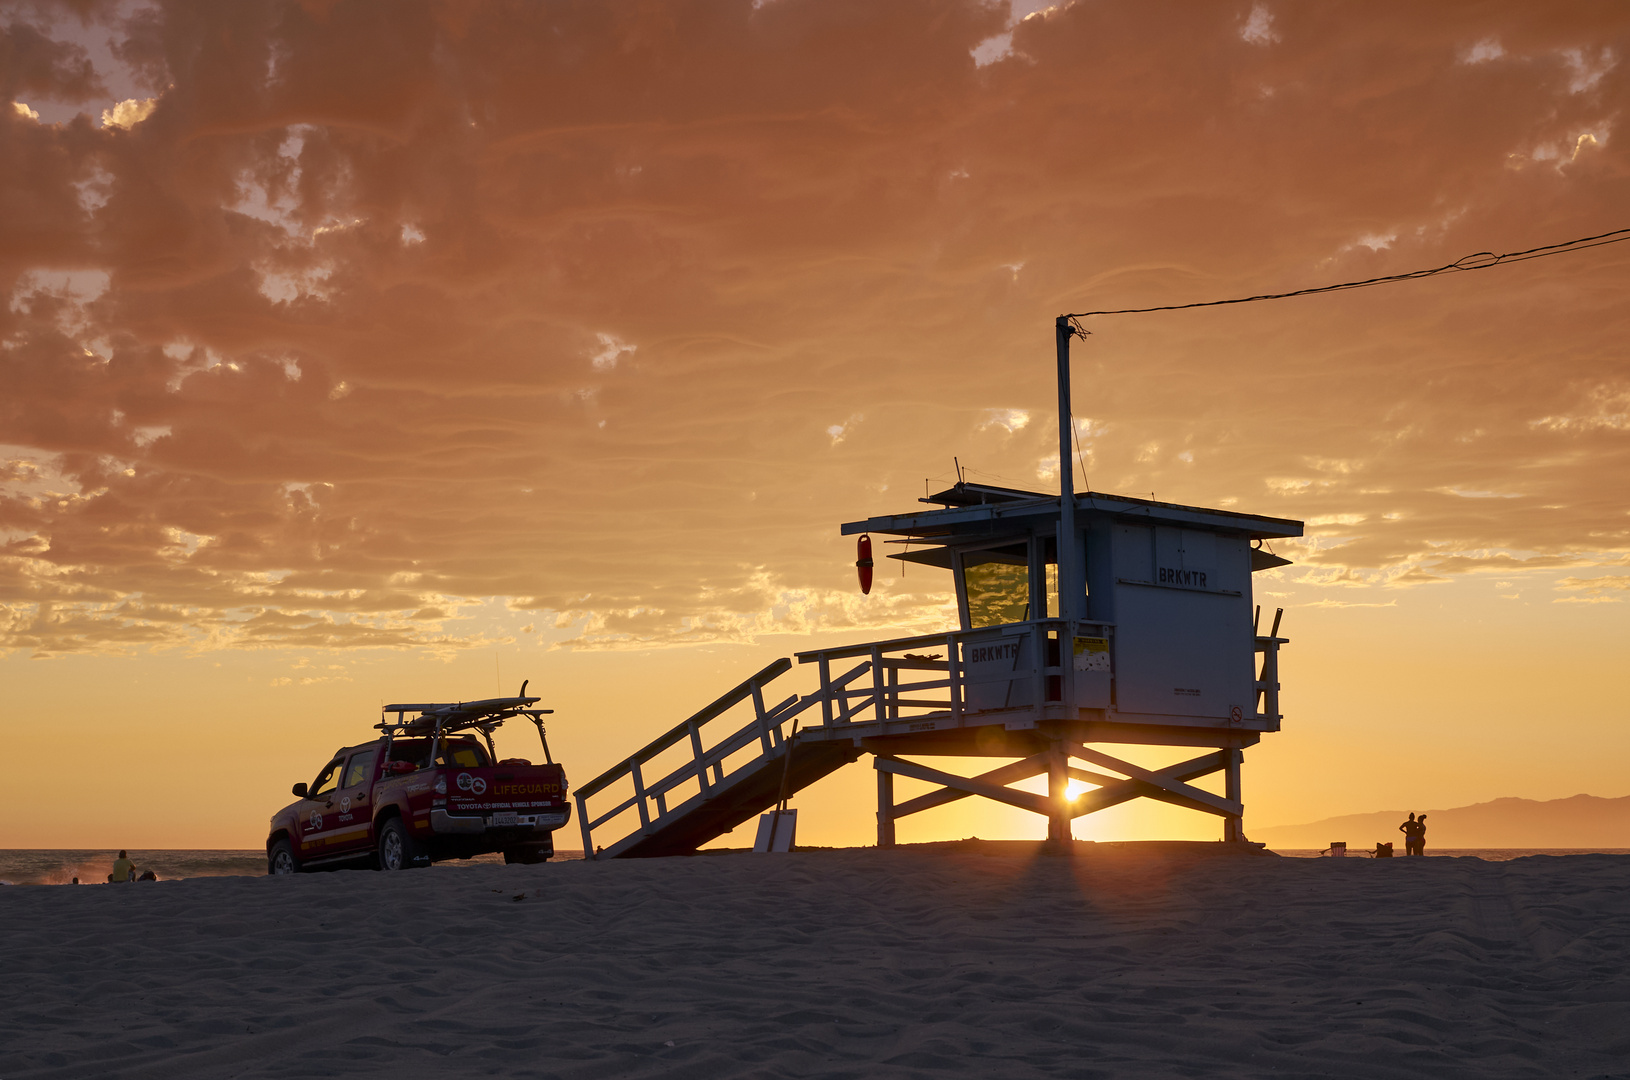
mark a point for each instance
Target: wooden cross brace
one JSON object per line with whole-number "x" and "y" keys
{"x": 992, "y": 785}
{"x": 1167, "y": 785}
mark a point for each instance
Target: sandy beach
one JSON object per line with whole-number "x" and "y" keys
{"x": 975, "y": 959}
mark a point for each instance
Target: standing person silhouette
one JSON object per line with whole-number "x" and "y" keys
{"x": 1420, "y": 835}
{"x": 1413, "y": 832}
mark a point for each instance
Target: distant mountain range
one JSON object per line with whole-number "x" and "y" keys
{"x": 1583, "y": 821}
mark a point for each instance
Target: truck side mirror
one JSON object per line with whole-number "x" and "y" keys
{"x": 300, "y": 790}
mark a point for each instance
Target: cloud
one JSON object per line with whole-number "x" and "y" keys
{"x": 454, "y": 226}
{"x": 1597, "y": 588}
{"x": 611, "y": 350}
{"x": 1258, "y": 26}
{"x": 1586, "y": 70}
{"x": 1349, "y": 604}
{"x": 31, "y": 62}
{"x": 839, "y": 432}
{"x": 1483, "y": 51}
{"x": 128, "y": 113}
{"x": 1009, "y": 420}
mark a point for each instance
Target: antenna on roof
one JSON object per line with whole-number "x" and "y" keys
{"x": 958, "y": 466}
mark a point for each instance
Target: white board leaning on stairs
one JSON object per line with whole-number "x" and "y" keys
{"x": 773, "y": 835}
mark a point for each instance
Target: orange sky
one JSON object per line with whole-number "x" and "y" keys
{"x": 363, "y": 351}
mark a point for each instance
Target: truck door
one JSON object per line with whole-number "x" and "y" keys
{"x": 317, "y": 811}
{"x": 353, "y": 816}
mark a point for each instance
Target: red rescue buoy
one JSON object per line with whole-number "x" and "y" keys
{"x": 864, "y": 563}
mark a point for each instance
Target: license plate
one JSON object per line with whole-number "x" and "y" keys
{"x": 506, "y": 818}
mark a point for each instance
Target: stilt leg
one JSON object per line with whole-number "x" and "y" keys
{"x": 885, "y": 809}
{"x": 1058, "y": 783}
{"x": 1233, "y": 827}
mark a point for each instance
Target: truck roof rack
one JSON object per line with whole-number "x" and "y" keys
{"x": 485, "y": 715}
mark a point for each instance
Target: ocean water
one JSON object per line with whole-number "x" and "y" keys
{"x": 51, "y": 866}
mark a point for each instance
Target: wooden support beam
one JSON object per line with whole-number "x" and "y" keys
{"x": 885, "y": 807}
{"x": 1058, "y": 793}
{"x": 762, "y": 716}
{"x": 1024, "y": 800}
{"x": 1233, "y": 825}
{"x": 1007, "y": 774}
{"x": 583, "y": 825}
{"x": 639, "y": 794}
{"x": 1112, "y": 794}
{"x": 1086, "y": 776}
{"x": 1114, "y": 791}
{"x": 698, "y": 754}
{"x": 880, "y": 694}
{"x": 826, "y": 689}
{"x": 1170, "y": 788}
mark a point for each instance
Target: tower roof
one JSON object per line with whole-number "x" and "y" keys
{"x": 971, "y": 509}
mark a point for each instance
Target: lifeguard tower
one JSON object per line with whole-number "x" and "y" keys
{"x": 1085, "y": 621}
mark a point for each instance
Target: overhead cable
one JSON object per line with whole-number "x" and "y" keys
{"x": 1482, "y": 260}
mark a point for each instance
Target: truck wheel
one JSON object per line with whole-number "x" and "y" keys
{"x": 526, "y": 856}
{"x": 398, "y": 850}
{"x": 281, "y": 859}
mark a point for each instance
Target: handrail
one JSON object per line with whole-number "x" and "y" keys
{"x": 890, "y": 690}
{"x": 729, "y": 699}
{"x": 844, "y": 652}
{"x": 650, "y": 799}
{"x": 720, "y": 751}
{"x": 1267, "y": 680}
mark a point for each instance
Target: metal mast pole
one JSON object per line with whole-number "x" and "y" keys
{"x": 1069, "y": 589}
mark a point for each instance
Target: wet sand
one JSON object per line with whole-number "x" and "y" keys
{"x": 976, "y": 959}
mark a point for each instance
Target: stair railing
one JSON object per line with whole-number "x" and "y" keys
{"x": 911, "y": 680}
{"x": 1267, "y": 681}
{"x": 707, "y": 763}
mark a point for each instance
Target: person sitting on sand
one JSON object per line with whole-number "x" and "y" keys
{"x": 123, "y": 869}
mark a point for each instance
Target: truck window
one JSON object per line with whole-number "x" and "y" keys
{"x": 414, "y": 750}
{"x": 466, "y": 754}
{"x": 361, "y": 769}
{"x": 327, "y": 780}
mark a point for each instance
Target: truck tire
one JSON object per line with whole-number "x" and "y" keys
{"x": 398, "y": 850}
{"x": 527, "y": 855}
{"x": 281, "y": 859}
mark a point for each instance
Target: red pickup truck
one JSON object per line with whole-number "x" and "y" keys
{"x": 432, "y": 787}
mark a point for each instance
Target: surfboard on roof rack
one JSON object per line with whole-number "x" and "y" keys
{"x": 448, "y": 716}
